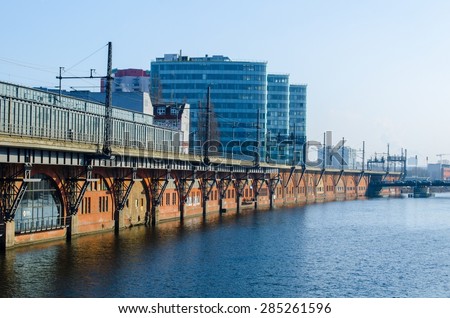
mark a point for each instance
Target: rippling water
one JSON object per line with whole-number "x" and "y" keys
{"x": 368, "y": 248}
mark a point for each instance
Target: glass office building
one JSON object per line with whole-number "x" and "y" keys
{"x": 238, "y": 95}
{"x": 297, "y": 119}
{"x": 240, "y": 91}
{"x": 277, "y": 137}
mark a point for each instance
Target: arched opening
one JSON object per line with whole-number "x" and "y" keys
{"x": 340, "y": 186}
{"x": 350, "y": 187}
{"x": 320, "y": 187}
{"x": 362, "y": 187}
{"x": 136, "y": 206}
{"x": 329, "y": 184}
{"x": 41, "y": 207}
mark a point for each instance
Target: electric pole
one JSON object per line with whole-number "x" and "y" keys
{"x": 108, "y": 101}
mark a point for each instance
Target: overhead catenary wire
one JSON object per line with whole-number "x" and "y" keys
{"x": 37, "y": 67}
{"x": 84, "y": 59}
{"x": 27, "y": 78}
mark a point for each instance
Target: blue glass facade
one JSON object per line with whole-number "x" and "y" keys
{"x": 238, "y": 94}
{"x": 239, "y": 91}
{"x": 297, "y": 118}
{"x": 277, "y": 137}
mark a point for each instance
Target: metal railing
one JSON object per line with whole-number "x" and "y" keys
{"x": 39, "y": 224}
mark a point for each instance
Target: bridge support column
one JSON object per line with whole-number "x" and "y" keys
{"x": 270, "y": 199}
{"x": 204, "y": 206}
{"x": 272, "y": 185}
{"x": 222, "y": 187}
{"x": 157, "y": 190}
{"x": 2, "y": 236}
{"x": 239, "y": 185}
{"x": 154, "y": 215}
{"x": 374, "y": 191}
{"x": 257, "y": 185}
{"x": 421, "y": 192}
{"x": 207, "y": 183}
{"x": 72, "y": 226}
{"x": 122, "y": 192}
{"x": 7, "y": 235}
{"x": 75, "y": 193}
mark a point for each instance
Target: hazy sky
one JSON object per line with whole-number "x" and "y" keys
{"x": 376, "y": 70}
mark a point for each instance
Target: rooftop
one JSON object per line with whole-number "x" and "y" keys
{"x": 214, "y": 58}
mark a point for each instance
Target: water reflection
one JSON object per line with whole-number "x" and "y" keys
{"x": 373, "y": 248}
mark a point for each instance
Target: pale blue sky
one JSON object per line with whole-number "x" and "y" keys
{"x": 377, "y": 71}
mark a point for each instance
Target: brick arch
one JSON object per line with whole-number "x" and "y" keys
{"x": 302, "y": 187}
{"x": 350, "y": 186}
{"x": 310, "y": 187}
{"x": 290, "y": 187}
{"x": 329, "y": 183}
{"x": 319, "y": 186}
{"x": 57, "y": 182}
{"x": 146, "y": 184}
{"x": 138, "y": 205}
{"x": 361, "y": 189}
{"x": 340, "y": 186}
{"x": 50, "y": 212}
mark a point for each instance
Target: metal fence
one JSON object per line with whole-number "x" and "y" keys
{"x": 39, "y": 224}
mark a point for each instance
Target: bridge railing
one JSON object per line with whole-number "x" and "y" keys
{"x": 32, "y": 113}
{"x": 49, "y": 133}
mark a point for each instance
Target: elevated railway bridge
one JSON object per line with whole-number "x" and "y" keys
{"x": 420, "y": 188}
{"x": 57, "y": 182}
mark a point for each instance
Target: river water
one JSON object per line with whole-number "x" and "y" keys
{"x": 366, "y": 248}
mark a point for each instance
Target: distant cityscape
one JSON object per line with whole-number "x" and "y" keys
{"x": 240, "y": 91}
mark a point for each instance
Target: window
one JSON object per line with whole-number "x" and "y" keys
{"x": 174, "y": 198}
{"x": 86, "y": 206}
{"x": 102, "y": 204}
{"x": 161, "y": 110}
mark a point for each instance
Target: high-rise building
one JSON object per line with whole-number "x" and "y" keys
{"x": 277, "y": 137}
{"x": 238, "y": 94}
{"x": 297, "y": 119}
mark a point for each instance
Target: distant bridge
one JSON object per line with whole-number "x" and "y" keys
{"x": 420, "y": 187}
{"x": 412, "y": 183}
